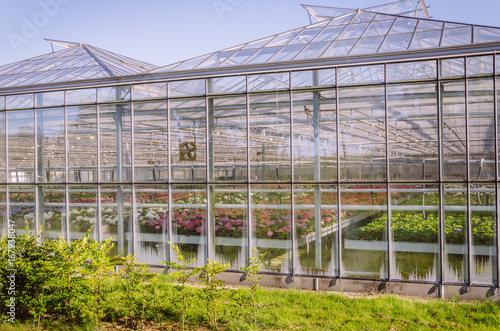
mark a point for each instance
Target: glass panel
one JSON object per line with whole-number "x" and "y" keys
{"x": 22, "y": 208}
{"x": 83, "y": 212}
{"x": 272, "y": 225}
{"x": 397, "y": 72}
{"x": 228, "y": 138}
{"x": 52, "y": 209}
{"x": 114, "y": 93}
{"x": 363, "y": 17}
{"x": 20, "y": 101}
{"x": 453, "y": 68}
{"x": 453, "y": 131}
{"x": 315, "y": 136}
{"x": 455, "y": 215}
{"x": 363, "y": 217}
{"x": 115, "y": 143}
{"x": 265, "y": 82}
{"x": 189, "y": 205}
{"x": 152, "y": 223}
{"x": 21, "y": 142}
{"x": 306, "y": 36}
{"x": 362, "y": 133}
{"x": 287, "y": 53}
{"x": 329, "y": 34}
{"x": 215, "y": 60}
{"x": 2, "y": 103}
{"x": 283, "y": 39}
{"x": 190, "y": 64}
{"x": 186, "y": 88}
{"x": 413, "y": 132}
{"x": 353, "y": 31}
{"x": 498, "y": 121}
{"x": 50, "y": 99}
{"x": 426, "y": 40}
{"x": 396, "y": 43}
{"x": 479, "y": 65}
{"x": 316, "y": 229}
{"x": 74, "y": 97}
{"x": 367, "y": 46}
{"x": 312, "y": 51}
{"x": 481, "y": 129}
{"x": 238, "y": 58}
{"x": 51, "y": 146}
{"x": 230, "y": 225}
{"x": 403, "y": 25}
{"x": 116, "y": 218}
{"x": 454, "y": 37}
{"x": 361, "y": 75}
{"x": 150, "y": 141}
{"x": 188, "y": 140}
{"x": 149, "y": 91}
{"x": 3, "y": 150}
{"x": 484, "y": 234}
{"x": 258, "y": 43}
{"x": 426, "y": 25}
{"x": 339, "y": 48}
{"x": 233, "y": 84}
{"x": 378, "y": 28}
{"x": 82, "y": 143}
{"x": 263, "y": 55}
{"x": 486, "y": 35}
{"x": 270, "y": 137}
{"x": 310, "y": 78}
{"x": 415, "y": 232}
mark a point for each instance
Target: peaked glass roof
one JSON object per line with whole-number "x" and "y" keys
{"x": 349, "y": 32}
{"x": 75, "y": 62}
{"x": 411, "y": 8}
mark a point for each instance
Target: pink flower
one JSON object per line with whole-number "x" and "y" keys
{"x": 269, "y": 233}
{"x": 199, "y": 229}
{"x": 157, "y": 227}
{"x": 240, "y": 228}
{"x": 328, "y": 219}
{"x": 217, "y": 227}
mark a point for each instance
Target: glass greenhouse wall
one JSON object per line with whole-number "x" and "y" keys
{"x": 363, "y": 168}
{"x": 363, "y": 171}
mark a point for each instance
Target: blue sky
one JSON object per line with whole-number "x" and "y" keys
{"x": 166, "y": 31}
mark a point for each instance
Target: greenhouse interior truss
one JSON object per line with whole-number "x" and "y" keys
{"x": 364, "y": 145}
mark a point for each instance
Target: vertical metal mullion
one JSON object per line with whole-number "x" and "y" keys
{"x": 132, "y": 178}
{"x": 168, "y": 251}
{"x": 442, "y": 236}
{"x": 208, "y": 175}
{"x": 467, "y": 166}
{"x": 339, "y": 225}
{"x": 98, "y": 129}
{"x": 497, "y": 184}
{"x": 66, "y": 168}
{"x": 387, "y": 178}
{"x": 249, "y": 173}
{"x": 7, "y": 187}
{"x": 292, "y": 178}
{"x": 35, "y": 165}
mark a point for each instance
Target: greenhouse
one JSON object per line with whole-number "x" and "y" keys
{"x": 364, "y": 145}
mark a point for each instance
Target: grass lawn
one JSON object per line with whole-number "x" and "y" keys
{"x": 288, "y": 310}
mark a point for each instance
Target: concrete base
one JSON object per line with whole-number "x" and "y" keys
{"x": 363, "y": 286}
{"x": 370, "y": 287}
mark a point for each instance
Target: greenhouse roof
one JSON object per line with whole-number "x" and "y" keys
{"x": 76, "y": 61}
{"x": 348, "y": 32}
{"x": 412, "y": 8}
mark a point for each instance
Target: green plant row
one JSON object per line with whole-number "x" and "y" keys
{"x": 420, "y": 227}
{"x": 76, "y": 282}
